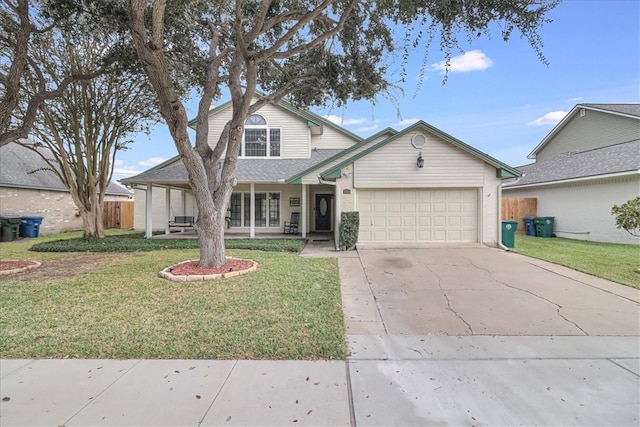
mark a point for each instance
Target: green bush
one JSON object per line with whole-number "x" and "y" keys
{"x": 349, "y": 226}
{"x": 628, "y": 216}
{"x": 136, "y": 242}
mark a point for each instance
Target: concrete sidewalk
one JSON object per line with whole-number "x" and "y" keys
{"x": 400, "y": 379}
{"x": 389, "y": 381}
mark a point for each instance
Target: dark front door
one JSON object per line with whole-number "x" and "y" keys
{"x": 323, "y": 212}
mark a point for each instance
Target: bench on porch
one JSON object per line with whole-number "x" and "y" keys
{"x": 182, "y": 222}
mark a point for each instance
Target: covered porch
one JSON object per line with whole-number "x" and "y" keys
{"x": 255, "y": 210}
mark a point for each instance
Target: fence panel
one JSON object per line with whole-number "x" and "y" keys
{"x": 518, "y": 208}
{"x": 118, "y": 214}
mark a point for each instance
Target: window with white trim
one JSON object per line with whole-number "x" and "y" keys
{"x": 267, "y": 209}
{"x": 259, "y": 139}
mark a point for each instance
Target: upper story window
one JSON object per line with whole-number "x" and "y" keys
{"x": 260, "y": 140}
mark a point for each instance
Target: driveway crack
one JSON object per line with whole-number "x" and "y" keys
{"x": 444, "y": 293}
{"x": 558, "y": 306}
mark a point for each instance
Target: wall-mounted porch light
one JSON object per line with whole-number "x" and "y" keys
{"x": 420, "y": 161}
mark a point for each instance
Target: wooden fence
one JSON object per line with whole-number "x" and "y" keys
{"x": 118, "y": 214}
{"x": 517, "y": 209}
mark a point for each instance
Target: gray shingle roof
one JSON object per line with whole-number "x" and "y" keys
{"x": 249, "y": 170}
{"x": 630, "y": 109}
{"x": 22, "y": 168}
{"x": 616, "y": 158}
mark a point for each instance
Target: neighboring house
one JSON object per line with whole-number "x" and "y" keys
{"x": 296, "y": 161}
{"x": 27, "y": 188}
{"x": 589, "y": 162}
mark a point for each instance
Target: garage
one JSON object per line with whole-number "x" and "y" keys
{"x": 418, "y": 215}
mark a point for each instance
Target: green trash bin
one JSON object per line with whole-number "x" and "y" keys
{"x": 509, "y": 228}
{"x": 544, "y": 225}
{"x": 9, "y": 225}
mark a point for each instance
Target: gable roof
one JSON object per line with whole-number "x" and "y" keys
{"x": 297, "y": 179}
{"x": 248, "y": 170}
{"x": 613, "y": 159}
{"x": 20, "y": 167}
{"x": 313, "y": 120}
{"x": 503, "y": 170}
{"x": 624, "y": 110}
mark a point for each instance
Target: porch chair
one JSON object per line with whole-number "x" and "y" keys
{"x": 291, "y": 227}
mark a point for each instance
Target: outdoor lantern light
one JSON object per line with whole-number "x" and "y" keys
{"x": 420, "y": 161}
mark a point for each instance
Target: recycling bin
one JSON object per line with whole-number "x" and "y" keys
{"x": 544, "y": 226}
{"x": 530, "y": 226}
{"x": 30, "y": 226}
{"x": 509, "y": 228}
{"x": 9, "y": 227}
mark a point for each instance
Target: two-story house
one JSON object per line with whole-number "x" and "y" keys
{"x": 412, "y": 187}
{"x": 589, "y": 162}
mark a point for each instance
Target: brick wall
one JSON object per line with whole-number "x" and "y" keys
{"x": 56, "y": 207}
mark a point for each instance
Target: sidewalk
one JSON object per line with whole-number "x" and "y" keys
{"x": 389, "y": 380}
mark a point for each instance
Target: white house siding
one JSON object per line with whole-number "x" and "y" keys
{"x": 294, "y": 134}
{"x": 332, "y": 139}
{"x": 582, "y": 209}
{"x": 594, "y": 130}
{"x": 454, "y": 198}
{"x": 57, "y": 208}
{"x": 159, "y": 211}
{"x": 394, "y": 166}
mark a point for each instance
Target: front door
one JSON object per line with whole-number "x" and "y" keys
{"x": 323, "y": 212}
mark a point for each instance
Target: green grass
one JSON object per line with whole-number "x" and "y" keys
{"x": 136, "y": 242}
{"x": 615, "y": 262}
{"x": 290, "y": 308}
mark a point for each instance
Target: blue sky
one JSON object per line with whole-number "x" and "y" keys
{"x": 499, "y": 97}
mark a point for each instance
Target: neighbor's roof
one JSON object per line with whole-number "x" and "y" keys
{"x": 625, "y": 110}
{"x": 20, "y": 167}
{"x": 613, "y": 159}
{"x": 249, "y": 170}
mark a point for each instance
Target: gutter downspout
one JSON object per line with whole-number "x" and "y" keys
{"x": 499, "y": 193}
{"x": 336, "y": 237}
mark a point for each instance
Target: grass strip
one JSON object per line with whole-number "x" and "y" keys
{"x": 615, "y": 262}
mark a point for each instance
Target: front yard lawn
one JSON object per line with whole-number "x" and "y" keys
{"x": 609, "y": 261}
{"x": 290, "y": 308}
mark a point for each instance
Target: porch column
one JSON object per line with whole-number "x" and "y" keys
{"x": 336, "y": 226}
{"x": 183, "y": 195}
{"x": 167, "y": 209}
{"x": 148, "y": 204}
{"x": 252, "y": 221}
{"x": 304, "y": 211}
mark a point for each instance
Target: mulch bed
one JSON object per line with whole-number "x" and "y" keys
{"x": 190, "y": 268}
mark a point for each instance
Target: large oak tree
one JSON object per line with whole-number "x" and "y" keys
{"x": 309, "y": 51}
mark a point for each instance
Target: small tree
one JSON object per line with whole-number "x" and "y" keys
{"x": 628, "y": 216}
{"x": 84, "y": 129}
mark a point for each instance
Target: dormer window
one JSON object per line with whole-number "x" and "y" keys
{"x": 259, "y": 139}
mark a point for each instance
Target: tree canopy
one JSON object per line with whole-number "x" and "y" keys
{"x": 310, "y": 51}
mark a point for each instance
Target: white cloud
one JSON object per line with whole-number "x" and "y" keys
{"x": 344, "y": 122}
{"x": 151, "y": 161}
{"x": 367, "y": 128}
{"x": 474, "y": 60}
{"x": 125, "y": 170}
{"x": 550, "y": 119}
{"x": 407, "y": 122}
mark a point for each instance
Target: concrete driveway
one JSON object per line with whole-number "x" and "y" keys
{"x": 476, "y": 290}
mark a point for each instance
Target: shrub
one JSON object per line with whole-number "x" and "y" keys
{"x": 349, "y": 226}
{"x": 628, "y": 216}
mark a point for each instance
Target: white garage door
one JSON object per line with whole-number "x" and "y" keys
{"x": 418, "y": 215}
